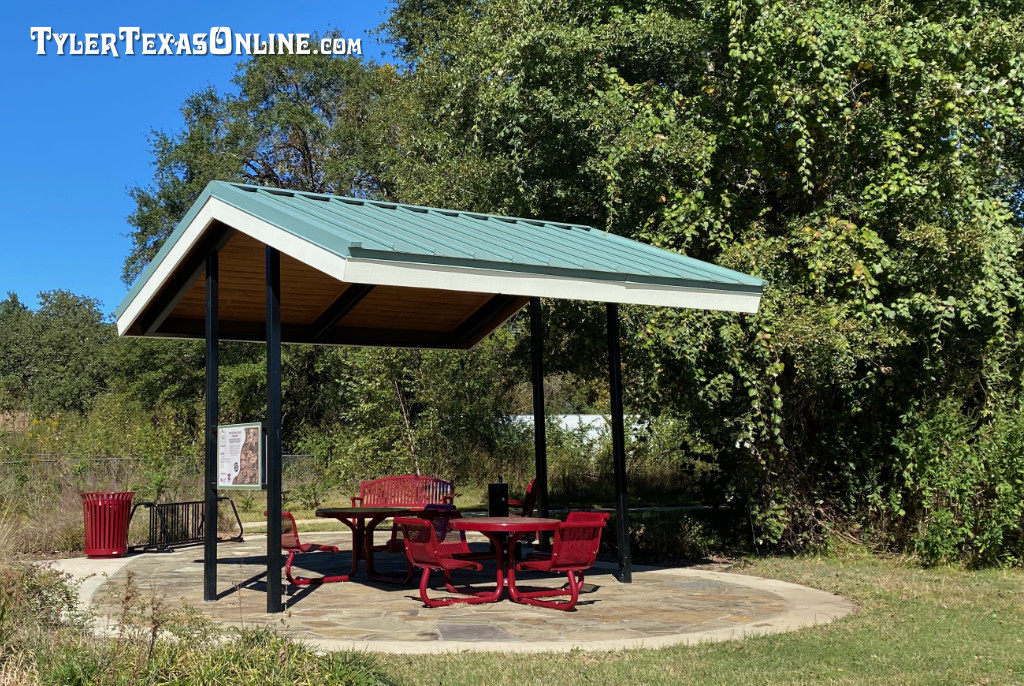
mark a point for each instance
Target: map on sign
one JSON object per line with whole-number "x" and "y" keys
{"x": 240, "y": 456}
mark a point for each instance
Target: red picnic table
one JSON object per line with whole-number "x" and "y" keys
{"x": 363, "y": 522}
{"x": 503, "y": 532}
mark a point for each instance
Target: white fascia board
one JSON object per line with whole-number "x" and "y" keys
{"x": 215, "y": 209}
{"x": 382, "y": 272}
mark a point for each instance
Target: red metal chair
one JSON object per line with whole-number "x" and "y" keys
{"x": 598, "y": 517}
{"x": 527, "y": 503}
{"x": 452, "y": 541}
{"x": 290, "y": 543}
{"x": 574, "y": 517}
{"x": 574, "y": 551}
{"x": 423, "y": 549}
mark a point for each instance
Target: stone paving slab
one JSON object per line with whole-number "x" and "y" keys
{"x": 663, "y": 606}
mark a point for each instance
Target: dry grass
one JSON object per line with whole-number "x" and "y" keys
{"x": 43, "y": 505}
{"x": 8, "y": 531}
{"x": 43, "y": 525}
{"x": 16, "y": 670}
{"x": 42, "y": 641}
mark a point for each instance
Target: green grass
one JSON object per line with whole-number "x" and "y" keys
{"x": 255, "y": 657}
{"x": 912, "y": 626}
{"x": 330, "y": 525}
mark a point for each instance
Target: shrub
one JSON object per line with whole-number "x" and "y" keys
{"x": 37, "y": 597}
{"x": 45, "y": 638}
{"x": 963, "y": 491}
{"x": 673, "y": 536}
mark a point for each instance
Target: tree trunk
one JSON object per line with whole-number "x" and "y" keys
{"x": 402, "y": 403}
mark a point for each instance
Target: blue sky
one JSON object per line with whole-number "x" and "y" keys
{"x": 76, "y": 127}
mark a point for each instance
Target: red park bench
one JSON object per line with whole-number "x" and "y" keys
{"x": 404, "y": 490}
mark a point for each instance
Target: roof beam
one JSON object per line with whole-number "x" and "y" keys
{"x": 478, "y": 324}
{"x": 337, "y": 310}
{"x": 392, "y": 338}
{"x": 181, "y": 281}
{"x": 174, "y": 327}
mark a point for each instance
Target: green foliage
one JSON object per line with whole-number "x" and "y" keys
{"x": 863, "y": 158}
{"x": 433, "y": 412}
{"x": 574, "y": 477}
{"x": 966, "y": 480}
{"x": 259, "y": 656}
{"x": 157, "y": 372}
{"x": 674, "y": 536}
{"x": 39, "y": 596}
{"x": 54, "y": 359}
{"x": 293, "y": 123}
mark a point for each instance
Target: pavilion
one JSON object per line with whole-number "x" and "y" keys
{"x": 285, "y": 266}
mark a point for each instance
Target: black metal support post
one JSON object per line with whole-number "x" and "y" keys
{"x": 619, "y": 445}
{"x": 212, "y": 417}
{"x": 540, "y": 439}
{"x": 273, "y": 431}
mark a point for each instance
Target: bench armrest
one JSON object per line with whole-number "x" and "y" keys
{"x": 358, "y": 498}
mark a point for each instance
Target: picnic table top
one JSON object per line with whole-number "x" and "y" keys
{"x": 370, "y": 511}
{"x": 505, "y": 524}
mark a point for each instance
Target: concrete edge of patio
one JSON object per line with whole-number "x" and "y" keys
{"x": 89, "y": 573}
{"x": 806, "y": 607}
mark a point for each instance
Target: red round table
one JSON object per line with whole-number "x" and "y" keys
{"x": 498, "y": 528}
{"x": 363, "y": 522}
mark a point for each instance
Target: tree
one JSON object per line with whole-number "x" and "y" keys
{"x": 313, "y": 123}
{"x": 16, "y": 326}
{"x": 295, "y": 122}
{"x": 54, "y": 359}
{"x": 864, "y": 158}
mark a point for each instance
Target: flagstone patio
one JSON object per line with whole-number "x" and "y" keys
{"x": 663, "y": 606}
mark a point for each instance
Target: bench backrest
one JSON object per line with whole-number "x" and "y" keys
{"x": 404, "y": 490}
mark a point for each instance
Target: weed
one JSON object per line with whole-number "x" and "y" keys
{"x": 45, "y": 640}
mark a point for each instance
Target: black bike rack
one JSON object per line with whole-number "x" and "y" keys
{"x": 172, "y": 524}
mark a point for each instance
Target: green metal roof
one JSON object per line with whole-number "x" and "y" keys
{"x": 422, "y": 252}
{"x": 359, "y": 228}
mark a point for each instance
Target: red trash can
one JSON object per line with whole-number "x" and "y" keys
{"x": 106, "y": 523}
